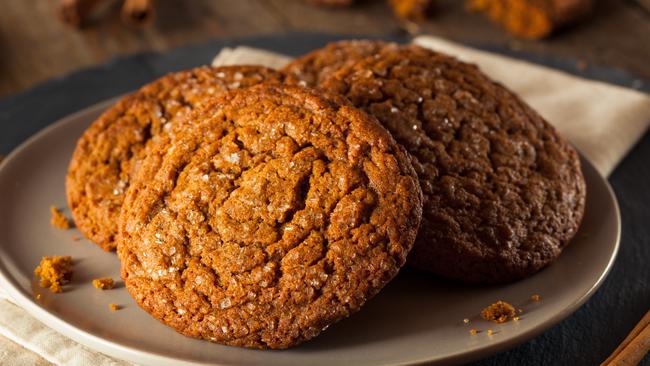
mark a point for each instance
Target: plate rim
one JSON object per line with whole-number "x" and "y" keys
{"x": 132, "y": 354}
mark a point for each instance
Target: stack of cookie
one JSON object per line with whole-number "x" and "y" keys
{"x": 255, "y": 207}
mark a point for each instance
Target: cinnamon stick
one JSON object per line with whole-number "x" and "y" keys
{"x": 634, "y": 347}
{"x": 76, "y": 12}
{"x": 138, "y": 12}
{"x": 532, "y": 19}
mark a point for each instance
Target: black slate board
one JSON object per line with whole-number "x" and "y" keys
{"x": 585, "y": 338}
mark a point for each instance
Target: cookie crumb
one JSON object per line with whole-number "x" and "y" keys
{"x": 499, "y": 312}
{"x": 516, "y": 318}
{"x": 114, "y": 307}
{"x": 535, "y": 297}
{"x": 54, "y": 272}
{"x": 466, "y": 321}
{"x": 76, "y": 238}
{"x": 520, "y": 311}
{"x": 58, "y": 220}
{"x": 104, "y": 283}
{"x": 473, "y": 332}
{"x": 490, "y": 332}
{"x": 38, "y": 296}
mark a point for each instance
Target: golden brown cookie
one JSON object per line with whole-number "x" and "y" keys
{"x": 316, "y": 66}
{"x": 503, "y": 191}
{"x": 107, "y": 152}
{"x": 279, "y": 212}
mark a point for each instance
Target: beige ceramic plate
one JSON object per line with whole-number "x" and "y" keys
{"x": 416, "y": 319}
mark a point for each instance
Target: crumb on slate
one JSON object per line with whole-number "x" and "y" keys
{"x": 54, "y": 272}
{"x": 535, "y": 297}
{"x": 466, "y": 321}
{"x": 490, "y": 332}
{"x": 473, "y": 332}
{"x": 104, "y": 283}
{"x": 58, "y": 220}
{"x": 499, "y": 312}
{"x": 114, "y": 307}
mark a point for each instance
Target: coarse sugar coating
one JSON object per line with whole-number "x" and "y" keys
{"x": 503, "y": 191}
{"x": 109, "y": 150}
{"x": 281, "y": 211}
{"x": 316, "y": 66}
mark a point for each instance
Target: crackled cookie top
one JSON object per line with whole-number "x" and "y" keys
{"x": 503, "y": 192}
{"x": 280, "y": 211}
{"x": 107, "y": 152}
{"x": 316, "y": 66}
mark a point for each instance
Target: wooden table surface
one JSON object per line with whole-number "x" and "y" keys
{"x": 35, "y": 45}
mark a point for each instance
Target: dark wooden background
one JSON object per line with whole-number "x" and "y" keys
{"x": 35, "y": 45}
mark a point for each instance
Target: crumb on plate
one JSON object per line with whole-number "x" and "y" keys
{"x": 59, "y": 220}
{"x": 473, "y": 332}
{"x": 54, "y": 272}
{"x": 535, "y": 297}
{"x": 104, "y": 283}
{"x": 490, "y": 332}
{"x": 499, "y": 312}
{"x": 114, "y": 307}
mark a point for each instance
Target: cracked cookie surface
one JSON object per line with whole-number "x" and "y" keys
{"x": 107, "y": 153}
{"x": 503, "y": 192}
{"x": 277, "y": 212}
{"x": 314, "y": 67}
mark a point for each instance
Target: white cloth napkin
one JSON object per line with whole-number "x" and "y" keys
{"x": 26, "y": 341}
{"x": 603, "y": 121}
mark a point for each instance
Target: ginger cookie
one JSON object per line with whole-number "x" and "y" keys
{"x": 316, "y": 66}
{"x": 280, "y": 211}
{"x": 503, "y": 191}
{"x": 107, "y": 152}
